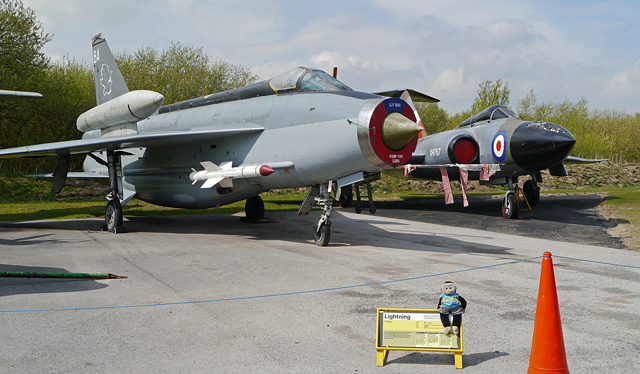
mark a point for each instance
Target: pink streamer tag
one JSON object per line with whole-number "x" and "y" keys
{"x": 448, "y": 196}
{"x": 485, "y": 174}
{"x": 408, "y": 169}
{"x": 464, "y": 178}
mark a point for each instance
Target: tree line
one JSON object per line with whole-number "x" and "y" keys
{"x": 179, "y": 72}
{"x": 611, "y": 134}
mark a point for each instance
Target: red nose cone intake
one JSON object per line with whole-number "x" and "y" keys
{"x": 265, "y": 170}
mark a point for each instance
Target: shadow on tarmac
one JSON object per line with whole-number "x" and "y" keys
{"x": 226, "y": 224}
{"x": 444, "y": 359}
{"x": 567, "y": 218}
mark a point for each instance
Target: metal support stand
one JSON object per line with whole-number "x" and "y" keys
{"x": 372, "y": 207}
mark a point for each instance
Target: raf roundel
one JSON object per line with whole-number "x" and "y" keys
{"x": 499, "y": 146}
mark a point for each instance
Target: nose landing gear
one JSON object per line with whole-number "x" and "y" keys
{"x": 511, "y": 201}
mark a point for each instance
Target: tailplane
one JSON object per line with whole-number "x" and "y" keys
{"x": 108, "y": 79}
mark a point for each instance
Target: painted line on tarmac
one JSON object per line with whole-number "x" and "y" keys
{"x": 304, "y": 292}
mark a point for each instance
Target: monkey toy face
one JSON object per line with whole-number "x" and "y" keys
{"x": 448, "y": 288}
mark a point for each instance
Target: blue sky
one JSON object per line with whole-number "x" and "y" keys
{"x": 562, "y": 50}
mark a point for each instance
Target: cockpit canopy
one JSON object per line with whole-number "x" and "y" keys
{"x": 492, "y": 113}
{"x": 294, "y": 81}
{"x": 306, "y": 79}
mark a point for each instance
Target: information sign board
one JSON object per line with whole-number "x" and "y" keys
{"x": 414, "y": 330}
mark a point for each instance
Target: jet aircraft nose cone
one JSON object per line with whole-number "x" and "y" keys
{"x": 398, "y": 130}
{"x": 537, "y": 146}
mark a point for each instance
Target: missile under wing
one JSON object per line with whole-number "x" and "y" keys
{"x": 302, "y": 128}
{"x": 494, "y": 146}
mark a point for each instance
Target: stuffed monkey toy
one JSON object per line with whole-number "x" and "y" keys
{"x": 451, "y": 303}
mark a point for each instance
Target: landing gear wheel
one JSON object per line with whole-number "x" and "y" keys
{"x": 254, "y": 209}
{"x": 510, "y": 207}
{"x": 531, "y": 192}
{"x": 322, "y": 235}
{"x": 113, "y": 216}
{"x": 346, "y": 196}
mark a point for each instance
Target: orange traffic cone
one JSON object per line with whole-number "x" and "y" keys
{"x": 547, "y": 351}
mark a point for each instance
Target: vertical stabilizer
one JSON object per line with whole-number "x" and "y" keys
{"x": 108, "y": 79}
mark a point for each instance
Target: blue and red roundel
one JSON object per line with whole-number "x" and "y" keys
{"x": 499, "y": 146}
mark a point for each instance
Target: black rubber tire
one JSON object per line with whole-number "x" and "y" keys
{"x": 113, "y": 215}
{"x": 254, "y": 209}
{"x": 532, "y": 192}
{"x": 322, "y": 236}
{"x": 510, "y": 207}
{"x": 346, "y": 196}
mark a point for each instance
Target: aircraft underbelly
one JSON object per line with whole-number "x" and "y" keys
{"x": 169, "y": 191}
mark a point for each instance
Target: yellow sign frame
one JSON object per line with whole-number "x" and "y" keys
{"x": 412, "y": 335}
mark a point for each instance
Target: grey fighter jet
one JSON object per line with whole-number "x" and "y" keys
{"x": 494, "y": 146}
{"x": 302, "y": 128}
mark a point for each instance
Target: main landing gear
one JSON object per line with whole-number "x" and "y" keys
{"x": 113, "y": 213}
{"x": 254, "y": 210}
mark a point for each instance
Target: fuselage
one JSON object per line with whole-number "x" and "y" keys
{"x": 309, "y": 138}
{"x": 518, "y": 147}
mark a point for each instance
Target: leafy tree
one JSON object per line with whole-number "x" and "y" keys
{"x": 180, "y": 72}
{"x": 491, "y": 93}
{"x": 434, "y": 118}
{"x": 22, "y": 67}
{"x": 21, "y": 40}
{"x": 455, "y": 119}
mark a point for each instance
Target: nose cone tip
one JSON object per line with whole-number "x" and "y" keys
{"x": 539, "y": 145}
{"x": 398, "y": 130}
{"x": 158, "y": 99}
{"x": 266, "y": 170}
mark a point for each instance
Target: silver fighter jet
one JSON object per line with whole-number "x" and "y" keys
{"x": 302, "y": 128}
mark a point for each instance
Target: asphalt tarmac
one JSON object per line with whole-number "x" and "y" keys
{"x": 568, "y": 218}
{"x": 207, "y": 293}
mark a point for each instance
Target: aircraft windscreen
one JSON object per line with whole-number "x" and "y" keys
{"x": 304, "y": 79}
{"x": 492, "y": 113}
{"x": 503, "y": 112}
{"x": 286, "y": 81}
{"x": 330, "y": 83}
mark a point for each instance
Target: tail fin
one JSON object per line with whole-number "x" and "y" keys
{"x": 109, "y": 81}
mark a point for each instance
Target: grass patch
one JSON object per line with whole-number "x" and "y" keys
{"x": 38, "y": 210}
{"x": 624, "y": 205}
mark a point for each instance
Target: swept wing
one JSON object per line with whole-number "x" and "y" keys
{"x": 111, "y": 143}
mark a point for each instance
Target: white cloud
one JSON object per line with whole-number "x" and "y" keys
{"x": 623, "y": 83}
{"x": 561, "y": 50}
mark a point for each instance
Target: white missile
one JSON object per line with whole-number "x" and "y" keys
{"x": 131, "y": 107}
{"x": 223, "y": 174}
